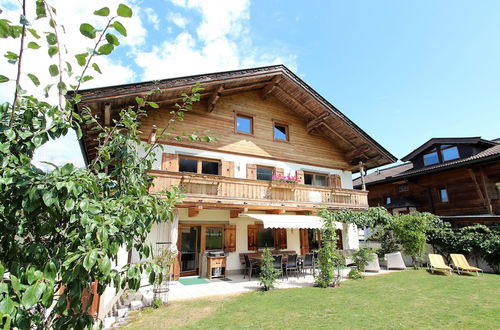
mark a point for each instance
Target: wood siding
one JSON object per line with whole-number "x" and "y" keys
{"x": 302, "y": 147}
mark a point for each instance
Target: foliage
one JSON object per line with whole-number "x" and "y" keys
{"x": 62, "y": 229}
{"x": 327, "y": 253}
{"x": 476, "y": 241}
{"x": 355, "y": 274}
{"x": 268, "y": 274}
{"x": 361, "y": 257}
{"x": 156, "y": 303}
{"x": 285, "y": 178}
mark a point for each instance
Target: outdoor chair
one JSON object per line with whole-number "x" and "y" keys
{"x": 394, "y": 260}
{"x": 309, "y": 263}
{"x": 373, "y": 265}
{"x": 460, "y": 263}
{"x": 278, "y": 263}
{"x": 436, "y": 262}
{"x": 292, "y": 265}
{"x": 250, "y": 266}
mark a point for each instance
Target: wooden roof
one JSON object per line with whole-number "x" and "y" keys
{"x": 278, "y": 81}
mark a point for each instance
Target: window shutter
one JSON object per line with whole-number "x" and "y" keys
{"x": 230, "y": 238}
{"x": 252, "y": 171}
{"x": 170, "y": 162}
{"x": 280, "y": 238}
{"x": 227, "y": 168}
{"x": 300, "y": 176}
{"x": 304, "y": 242}
{"x": 278, "y": 171}
{"x": 334, "y": 181}
{"x": 252, "y": 237}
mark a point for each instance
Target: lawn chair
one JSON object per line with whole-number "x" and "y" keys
{"x": 460, "y": 263}
{"x": 373, "y": 265}
{"x": 436, "y": 262}
{"x": 394, "y": 261}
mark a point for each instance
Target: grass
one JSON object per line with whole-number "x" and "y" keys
{"x": 409, "y": 299}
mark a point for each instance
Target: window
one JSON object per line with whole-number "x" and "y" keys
{"x": 315, "y": 179}
{"x": 264, "y": 173}
{"x": 402, "y": 187}
{"x": 265, "y": 238}
{"x": 214, "y": 238}
{"x": 449, "y": 152}
{"x": 244, "y": 124}
{"x": 443, "y": 194}
{"x": 280, "y": 132}
{"x": 388, "y": 200}
{"x": 313, "y": 238}
{"x": 201, "y": 166}
{"x": 431, "y": 157}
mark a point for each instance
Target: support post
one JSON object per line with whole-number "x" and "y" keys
{"x": 362, "y": 173}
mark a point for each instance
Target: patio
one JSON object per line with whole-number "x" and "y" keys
{"x": 235, "y": 284}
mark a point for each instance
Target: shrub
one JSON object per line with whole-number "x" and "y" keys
{"x": 156, "y": 303}
{"x": 362, "y": 257}
{"x": 355, "y": 274}
{"x": 268, "y": 274}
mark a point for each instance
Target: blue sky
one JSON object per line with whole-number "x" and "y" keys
{"x": 404, "y": 71}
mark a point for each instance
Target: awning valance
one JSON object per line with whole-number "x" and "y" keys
{"x": 290, "y": 221}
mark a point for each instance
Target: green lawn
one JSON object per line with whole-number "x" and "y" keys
{"x": 409, "y": 299}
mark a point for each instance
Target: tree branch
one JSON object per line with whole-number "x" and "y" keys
{"x": 19, "y": 61}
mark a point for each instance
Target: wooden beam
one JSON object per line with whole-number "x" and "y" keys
{"x": 194, "y": 211}
{"x": 268, "y": 89}
{"x": 235, "y": 213}
{"x": 152, "y": 135}
{"x": 316, "y": 122}
{"x": 356, "y": 153}
{"x": 480, "y": 193}
{"x": 214, "y": 98}
{"x": 107, "y": 114}
{"x": 488, "y": 199}
{"x": 278, "y": 211}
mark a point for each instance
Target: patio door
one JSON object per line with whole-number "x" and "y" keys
{"x": 189, "y": 250}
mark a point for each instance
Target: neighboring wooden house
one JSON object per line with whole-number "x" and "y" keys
{"x": 457, "y": 179}
{"x": 268, "y": 122}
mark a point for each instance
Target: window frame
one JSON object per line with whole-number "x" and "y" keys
{"x": 244, "y": 115}
{"x": 199, "y": 164}
{"x": 445, "y": 147}
{"x": 287, "y": 130}
{"x": 387, "y": 198}
{"x": 314, "y": 174}
{"x": 266, "y": 167}
{"x": 437, "y": 151}
{"x": 222, "y": 227}
{"x": 273, "y": 231}
{"x": 441, "y": 196}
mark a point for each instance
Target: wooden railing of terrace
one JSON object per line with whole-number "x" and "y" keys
{"x": 212, "y": 191}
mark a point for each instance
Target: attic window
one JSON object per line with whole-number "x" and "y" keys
{"x": 244, "y": 124}
{"x": 449, "y": 152}
{"x": 431, "y": 157}
{"x": 281, "y": 132}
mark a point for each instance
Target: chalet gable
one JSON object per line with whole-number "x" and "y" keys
{"x": 277, "y": 81}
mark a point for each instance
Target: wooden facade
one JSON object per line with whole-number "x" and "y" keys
{"x": 462, "y": 191}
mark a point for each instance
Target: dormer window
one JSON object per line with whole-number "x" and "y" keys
{"x": 431, "y": 157}
{"x": 449, "y": 152}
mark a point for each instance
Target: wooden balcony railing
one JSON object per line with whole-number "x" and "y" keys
{"x": 201, "y": 188}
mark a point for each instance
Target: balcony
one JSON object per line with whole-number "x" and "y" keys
{"x": 212, "y": 191}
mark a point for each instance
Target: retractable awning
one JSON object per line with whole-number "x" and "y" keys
{"x": 290, "y": 221}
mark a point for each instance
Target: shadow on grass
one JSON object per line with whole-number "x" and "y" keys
{"x": 438, "y": 272}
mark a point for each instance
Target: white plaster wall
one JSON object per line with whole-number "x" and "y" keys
{"x": 350, "y": 237}
{"x": 240, "y": 163}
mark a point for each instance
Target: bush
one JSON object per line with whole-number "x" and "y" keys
{"x": 268, "y": 274}
{"x": 355, "y": 274}
{"x": 156, "y": 303}
{"x": 362, "y": 257}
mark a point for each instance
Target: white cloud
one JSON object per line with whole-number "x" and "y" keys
{"x": 221, "y": 41}
{"x": 152, "y": 18}
{"x": 178, "y": 20}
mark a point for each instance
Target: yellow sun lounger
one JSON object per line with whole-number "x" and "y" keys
{"x": 436, "y": 262}
{"x": 460, "y": 263}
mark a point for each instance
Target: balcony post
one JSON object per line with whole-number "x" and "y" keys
{"x": 362, "y": 173}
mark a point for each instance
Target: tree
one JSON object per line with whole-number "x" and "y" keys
{"x": 268, "y": 274}
{"x": 61, "y": 229}
{"x": 328, "y": 250}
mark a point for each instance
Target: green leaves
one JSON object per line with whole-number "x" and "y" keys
{"x": 119, "y": 28}
{"x": 34, "y": 79}
{"x": 12, "y": 57}
{"x": 40, "y": 9}
{"x": 53, "y": 70}
{"x": 105, "y": 265}
{"x": 102, "y": 12}
{"x": 124, "y": 11}
{"x": 106, "y": 49}
{"x": 10, "y": 134}
{"x": 88, "y": 30}
{"x": 33, "y": 294}
{"x": 69, "y": 205}
{"x": 33, "y": 45}
{"x": 53, "y": 50}
{"x": 48, "y": 198}
{"x": 90, "y": 260}
{"x": 51, "y": 38}
{"x": 96, "y": 67}
{"x": 81, "y": 58}
{"x": 112, "y": 39}
{"x": 3, "y": 79}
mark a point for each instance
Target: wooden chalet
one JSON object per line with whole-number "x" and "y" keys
{"x": 269, "y": 123}
{"x": 455, "y": 178}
